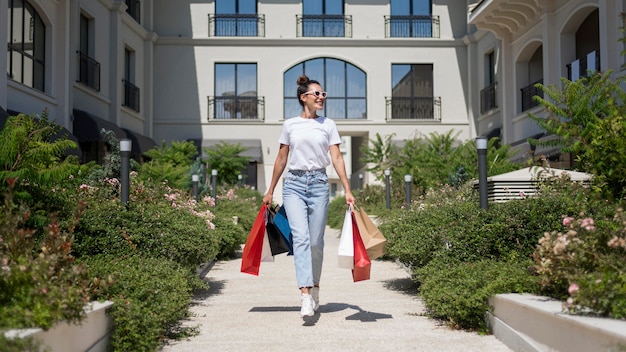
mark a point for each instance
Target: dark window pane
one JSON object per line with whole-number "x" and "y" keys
{"x": 224, "y": 79}
{"x": 335, "y": 78}
{"x": 315, "y": 70}
{"x": 312, "y": 7}
{"x": 335, "y": 108}
{"x": 421, "y": 7}
{"x": 290, "y": 79}
{"x": 246, "y": 79}
{"x": 247, "y": 7}
{"x": 334, "y": 7}
{"x": 225, "y": 6}
{"x": 400, "y": 7}
{"x": 356, "y": 82}
{"x": 292, "y": 108}
{"x": 357, "y": 109}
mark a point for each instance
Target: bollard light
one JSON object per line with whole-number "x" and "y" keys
{"x": 214, "y": 184}
{"x": 407, "y": 183}
{"x": 481, "y": 147}
{"x": 194, "y": 184}
{"x": 360, "y": 181}
{"x": 240, "y": 180}
{"x": 126, "y": 145}
{"x": 387, "y": 189}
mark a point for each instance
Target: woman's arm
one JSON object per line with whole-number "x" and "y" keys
{"x": 279, "y": 167}
{"x": 340, "y": 168}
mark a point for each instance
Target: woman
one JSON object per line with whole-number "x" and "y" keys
{"x": 305, "y": 143}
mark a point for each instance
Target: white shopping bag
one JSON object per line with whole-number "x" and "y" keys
{"x": 346, "y": 243}
{"x": 266, "y": 254}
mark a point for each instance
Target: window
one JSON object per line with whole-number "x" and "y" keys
{"x": 88, "y": 68}
{"x": 488, "y": 94}
{"x": 323, "y": 18}
{"x": 133, "y": 9}
{"x": 236, "y": 91}
{"x": 131, "y": 92}
{"x": 412, "y": 92}
{"x": 236, "y": 18}
{"x": 411, "y": 19}
{"x": 26, "y": 39}
{"x": 344, "y": 82}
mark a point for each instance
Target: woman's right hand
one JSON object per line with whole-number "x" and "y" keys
{"x": 267, "y": 199}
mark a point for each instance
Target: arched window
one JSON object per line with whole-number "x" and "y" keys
{"x": 26, "y": 39}
{"x": 344, "y": 82}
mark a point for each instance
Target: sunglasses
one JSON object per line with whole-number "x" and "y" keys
{"x": 317, "y": 93}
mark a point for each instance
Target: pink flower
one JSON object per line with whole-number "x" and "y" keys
{"x": 568, "y": 220}
{"x": 587, "y": 224}
{"x": 573, "y": 288}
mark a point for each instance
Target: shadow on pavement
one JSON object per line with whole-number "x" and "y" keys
{"x": 361, "y": 315}
{"x": 215, "y": 288}
{"x": 404, "y": 285}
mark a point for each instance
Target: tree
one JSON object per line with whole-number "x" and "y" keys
{"x": 170, "y": 163}
{"x": 224, "y": 157}
{"x": 587, "y": 116}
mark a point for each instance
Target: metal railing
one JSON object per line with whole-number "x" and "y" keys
{"x": 134, "y": 9}
{"x": 411, "y": 26}
{"x": 413, "y": 108}
{"x": 324, "y": 26}
{"x": 131, "y": 95}
{"x": 237, "y": 108}
{"x": 488, "y": 98}
{"x": 236, "y": 25}
{"x": 88, "y": 71}
{"x": 583, "y": 66}
{"x": 528, "y": 93}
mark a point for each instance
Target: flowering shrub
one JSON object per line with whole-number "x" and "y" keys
{"x": 585, "y": 264}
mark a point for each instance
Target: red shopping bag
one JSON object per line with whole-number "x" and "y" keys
{"x": 253, "y": 249}
{"x": 362, "y": 262}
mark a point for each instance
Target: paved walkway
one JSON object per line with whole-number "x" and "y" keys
{"x": 241, "y": 312}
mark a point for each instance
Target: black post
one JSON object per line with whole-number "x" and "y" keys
{"x": 387, "y": 188}
{"x": 214, "y": 184}
{"x": 126, "y": 145}
{"x": 360, "y": 180}
{"x": 481, "y": 146}
{"x": 194, "y": 186}
{"x": 407, "y": 183}
{"x": 240, "y": 180}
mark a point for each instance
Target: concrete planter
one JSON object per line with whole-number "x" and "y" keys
{"x": 533, "y": 323}
{"x": 91, "y": 335}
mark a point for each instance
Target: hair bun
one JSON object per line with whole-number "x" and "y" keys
{"x": 302, "y": 80}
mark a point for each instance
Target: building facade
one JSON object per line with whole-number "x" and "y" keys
{"x": 225, "y": 70}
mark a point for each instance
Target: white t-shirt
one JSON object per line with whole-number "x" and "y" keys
{"x": 309, "y": 141}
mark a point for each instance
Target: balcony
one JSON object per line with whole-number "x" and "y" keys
{"x": 88, "y": 71}
{"x": 528, "y": 93}
{"x": 134, "y": 9}
{"x": 236, "y": 25}
{"x": 236, "y": 108}
{"x": 411, "y": 26}
{"x": 131, "y": 96}
{"x": 488, "y": 98}
{"x": 580, "y": 68}
{"x": 324, "y": 26}
{"x": 409, "y": 109}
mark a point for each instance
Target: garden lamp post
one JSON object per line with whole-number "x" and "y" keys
{"x": 387, "y": 189}
{"x": 239, "y": 180}
{"x": 194, "y": 186}
{"x": 407, "y": 183}
{"x": 214, "y": 184}
{"x": 126, "y": 145}
{"x": 360, "y": 180}
{"x": 481, "y": 146}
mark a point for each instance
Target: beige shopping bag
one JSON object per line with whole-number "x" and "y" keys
{"x": 373, "y": 239}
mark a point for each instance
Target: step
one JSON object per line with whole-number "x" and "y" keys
{"x": 535, "y": 323}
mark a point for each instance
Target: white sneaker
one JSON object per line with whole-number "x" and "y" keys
{"x": 315, "y": 294}
{"x": 307, "y": 305}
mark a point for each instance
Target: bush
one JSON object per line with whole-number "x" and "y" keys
{"x": 458, "y": 292}
{"x": 151, "y": 296}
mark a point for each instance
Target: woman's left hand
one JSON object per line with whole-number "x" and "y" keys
{"x": 349, "y": 198}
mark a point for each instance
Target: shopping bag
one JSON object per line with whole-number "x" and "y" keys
{"x": 253, "y": 249}
{"x": 283, "y": 225}
{"x": 362, "y": 262}
{"x": 266, "y": 252}
{"x": 373, "y": 239}
{"x": 346, "y": 243}
{"x": 279, "y": 242}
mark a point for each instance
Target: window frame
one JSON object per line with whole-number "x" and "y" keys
{"x": 245, "y": 106}
{"x": 19, "y": 51}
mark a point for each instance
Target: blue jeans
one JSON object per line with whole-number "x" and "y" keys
{"x": 306, "y": 198}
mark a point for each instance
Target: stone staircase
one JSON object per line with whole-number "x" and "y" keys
{"x": 527, "y": 323}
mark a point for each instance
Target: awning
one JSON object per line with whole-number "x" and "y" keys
{"x": 141, "y": 143}
{"x": 253, "y": 147}
{"x": 87, "y": 127}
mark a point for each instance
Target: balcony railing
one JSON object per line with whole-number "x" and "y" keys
{"x": 88, "y": 71}
{"x": 413, "y": 108}
{"x": 580, "y": 68}
{"x": 131, "y": 96}
{"x": 412, "y": 26}
{"x": 528, "y": 93}
{"x": 134, "y": 9}
{"x": 324, "y": 26}
{"x": 488, "y": 98}
{"x": 231, "y": 108}
{"x": 236, "y": 25}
